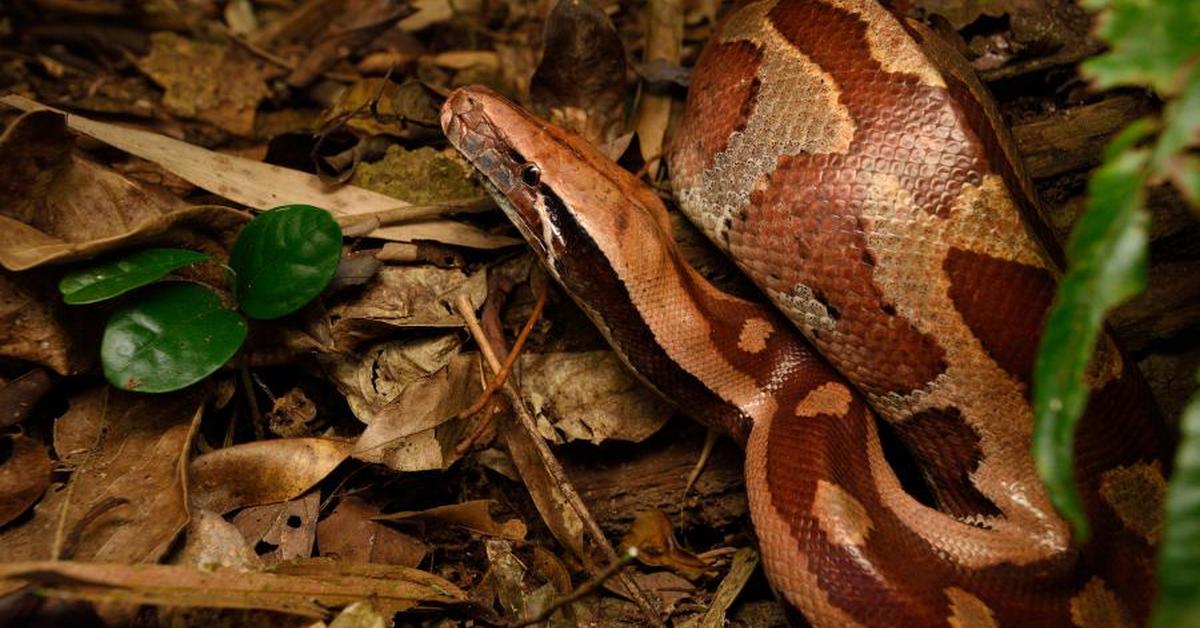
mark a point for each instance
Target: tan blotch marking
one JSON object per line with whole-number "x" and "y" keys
{"x": 831, "y": 398}
{"x": 968, "y": 611}
{"x": 1136, "y": 494}
{"x": 891, "y": 46}
{"x": 842, "y": 517}
{"x": 755, "y": 332}
{"x": 1096, "y": 607}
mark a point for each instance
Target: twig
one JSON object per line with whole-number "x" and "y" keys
{"x": 584, "y": 590}
{"x": 710, "y": 440}
{"x": 251, "y": 399}
{"x": 501, "y": 377}
{"x": 410, "y": 213}
{"x": 553, "y": 468}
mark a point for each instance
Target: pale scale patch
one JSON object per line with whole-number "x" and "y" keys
{"x": 830, "y": 398}
{"x": 802, "y": 306}
{"x": 1097, "y": 607}
{"x": 796, "y": 111}
{"x": 754, "y": 335}
{"x": 1136, "y": 494}
{"x": 968, "y": 611}
{"x": 843, "y": 518}
{"x": 909, "y": 273}
{"x": 889, "y": 43}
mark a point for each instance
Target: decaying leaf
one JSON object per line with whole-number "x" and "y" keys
{"x": 664, "y": 42}
{"x": 349, "y": 534}
{"x": 473, "y": 515}
{"x": 218, "y": 83}
{"x": 580, "y": 82}
{"x": 404, "y": 433}
{"x": 24, "y": 475}
{"x": 399, "y": 296}
{"x": 37, "y": 327}
{"x": 374, "y": 377}
{"x": 284, "y": 531}
{"x": 304, "y": 590}
{"x": 590, "y": 396}
{"x": 126, "y": 500}
{"x": 262, "y": 472}
{"x": 652, "y": 536}
{"x": 423, "y": 176}
{"x": 17, "y": 397}
{"x": 373, "y": 106}
{"x": 211, "y": 541}
{"x": 263, "y": 186}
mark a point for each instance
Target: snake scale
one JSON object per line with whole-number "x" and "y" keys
{"x": 855, "y": 169}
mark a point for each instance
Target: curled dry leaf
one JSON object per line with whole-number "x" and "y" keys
{"x": 262, "y": 472}
{"x": 374, "y": 106}
{"x": 24, "y": 475}
{"x": 580, "y": 82}
{"x": 655, "y": 541}
{"x": 404, "y": 434}
{"x": 306, "y": 590}
{"x": 473, "y": 515}
{"x": 61, "y": 207}
{"x": 406, "y": 296}
{"x": 590, "y": 396}
{"x": 376, "y": 376}
{"x": 219, "y": 83}
{"x": 17, "y": 397}
{"x": 127, "y": 496}
{"x": 349, "y": 534}
{"x": 281, "y": 531}
{"x": 263, "y": 186}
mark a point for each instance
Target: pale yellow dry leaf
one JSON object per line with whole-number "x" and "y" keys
{"x": 262, "y": 472}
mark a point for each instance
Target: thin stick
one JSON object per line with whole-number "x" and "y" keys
{"x": 501, "y": 377}
{"x": 710, "y": 440}
{"x": 553, "y": 468}
{"x": 583, "y": 591}
{"x": 410, "y": 213}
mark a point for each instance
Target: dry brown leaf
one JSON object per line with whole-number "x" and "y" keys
{"x": 590, "y": 396}
{"x": 218, "y": 83}
{"x": 374, "y": 106}
{"x": 127, "y": 496}
{"x": 664, "y": 42}
{"x": 262, "y": 472}
{"x": 61, "y": 206}
{"x": 744, "y": 562}
{"x": 211, "y": 541}
{"x": 406, "y": 296}
{"x": 17, "y": 397}
{"x": 24, "y": 476}
{"x": 652, "y": 536}
{"x": 404, "y": 434}
{"x": 360, "y": 615}
{"x": 375, "y": 376}
{"x": 580, "y": 82}
{"x": 263, "y": 186}
{"x": 36, "y": 326}
{"x": 548, "y": 497}
{"x": 473, "y": 515}
{"x": 311, "y": 594}
{"x": 430, "y": 12}
{"x": 348, "y": 534}
{"x": 288, "y": 530}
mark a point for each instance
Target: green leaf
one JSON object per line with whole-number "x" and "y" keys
{"x": 284, "y": 258}
{"x": 116, "y": 277}
{"x": 1150, "y": 41}
{"x": 175, "y": 336}
{"x": 1179, "y": 554}
{"x": 1107, "y": 265}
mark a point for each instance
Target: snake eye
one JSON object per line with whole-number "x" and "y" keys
{"x": 531, "y": 174}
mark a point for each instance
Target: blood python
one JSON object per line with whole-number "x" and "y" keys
{"x": 857, "y": 171}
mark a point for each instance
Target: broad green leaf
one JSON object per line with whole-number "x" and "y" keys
{"x": 284, "y": 258}
{"x": 174, "y": 336}
{"x": 1151, "y": 42}
{"x": 1107, "y": 265}
{"x": 116, "y": 277}
{"x": 1179, "y": 554}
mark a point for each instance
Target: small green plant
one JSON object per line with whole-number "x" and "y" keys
{"x": 173, "y": 334}
{"x": 1152, "y": 45}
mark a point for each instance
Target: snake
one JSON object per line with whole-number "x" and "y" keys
{"x": 853, "y": 166}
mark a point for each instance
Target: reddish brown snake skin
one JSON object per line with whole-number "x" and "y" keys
{"x": 857, "y": 171}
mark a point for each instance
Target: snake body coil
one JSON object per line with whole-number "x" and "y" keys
{"x": 858, "y": 172}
